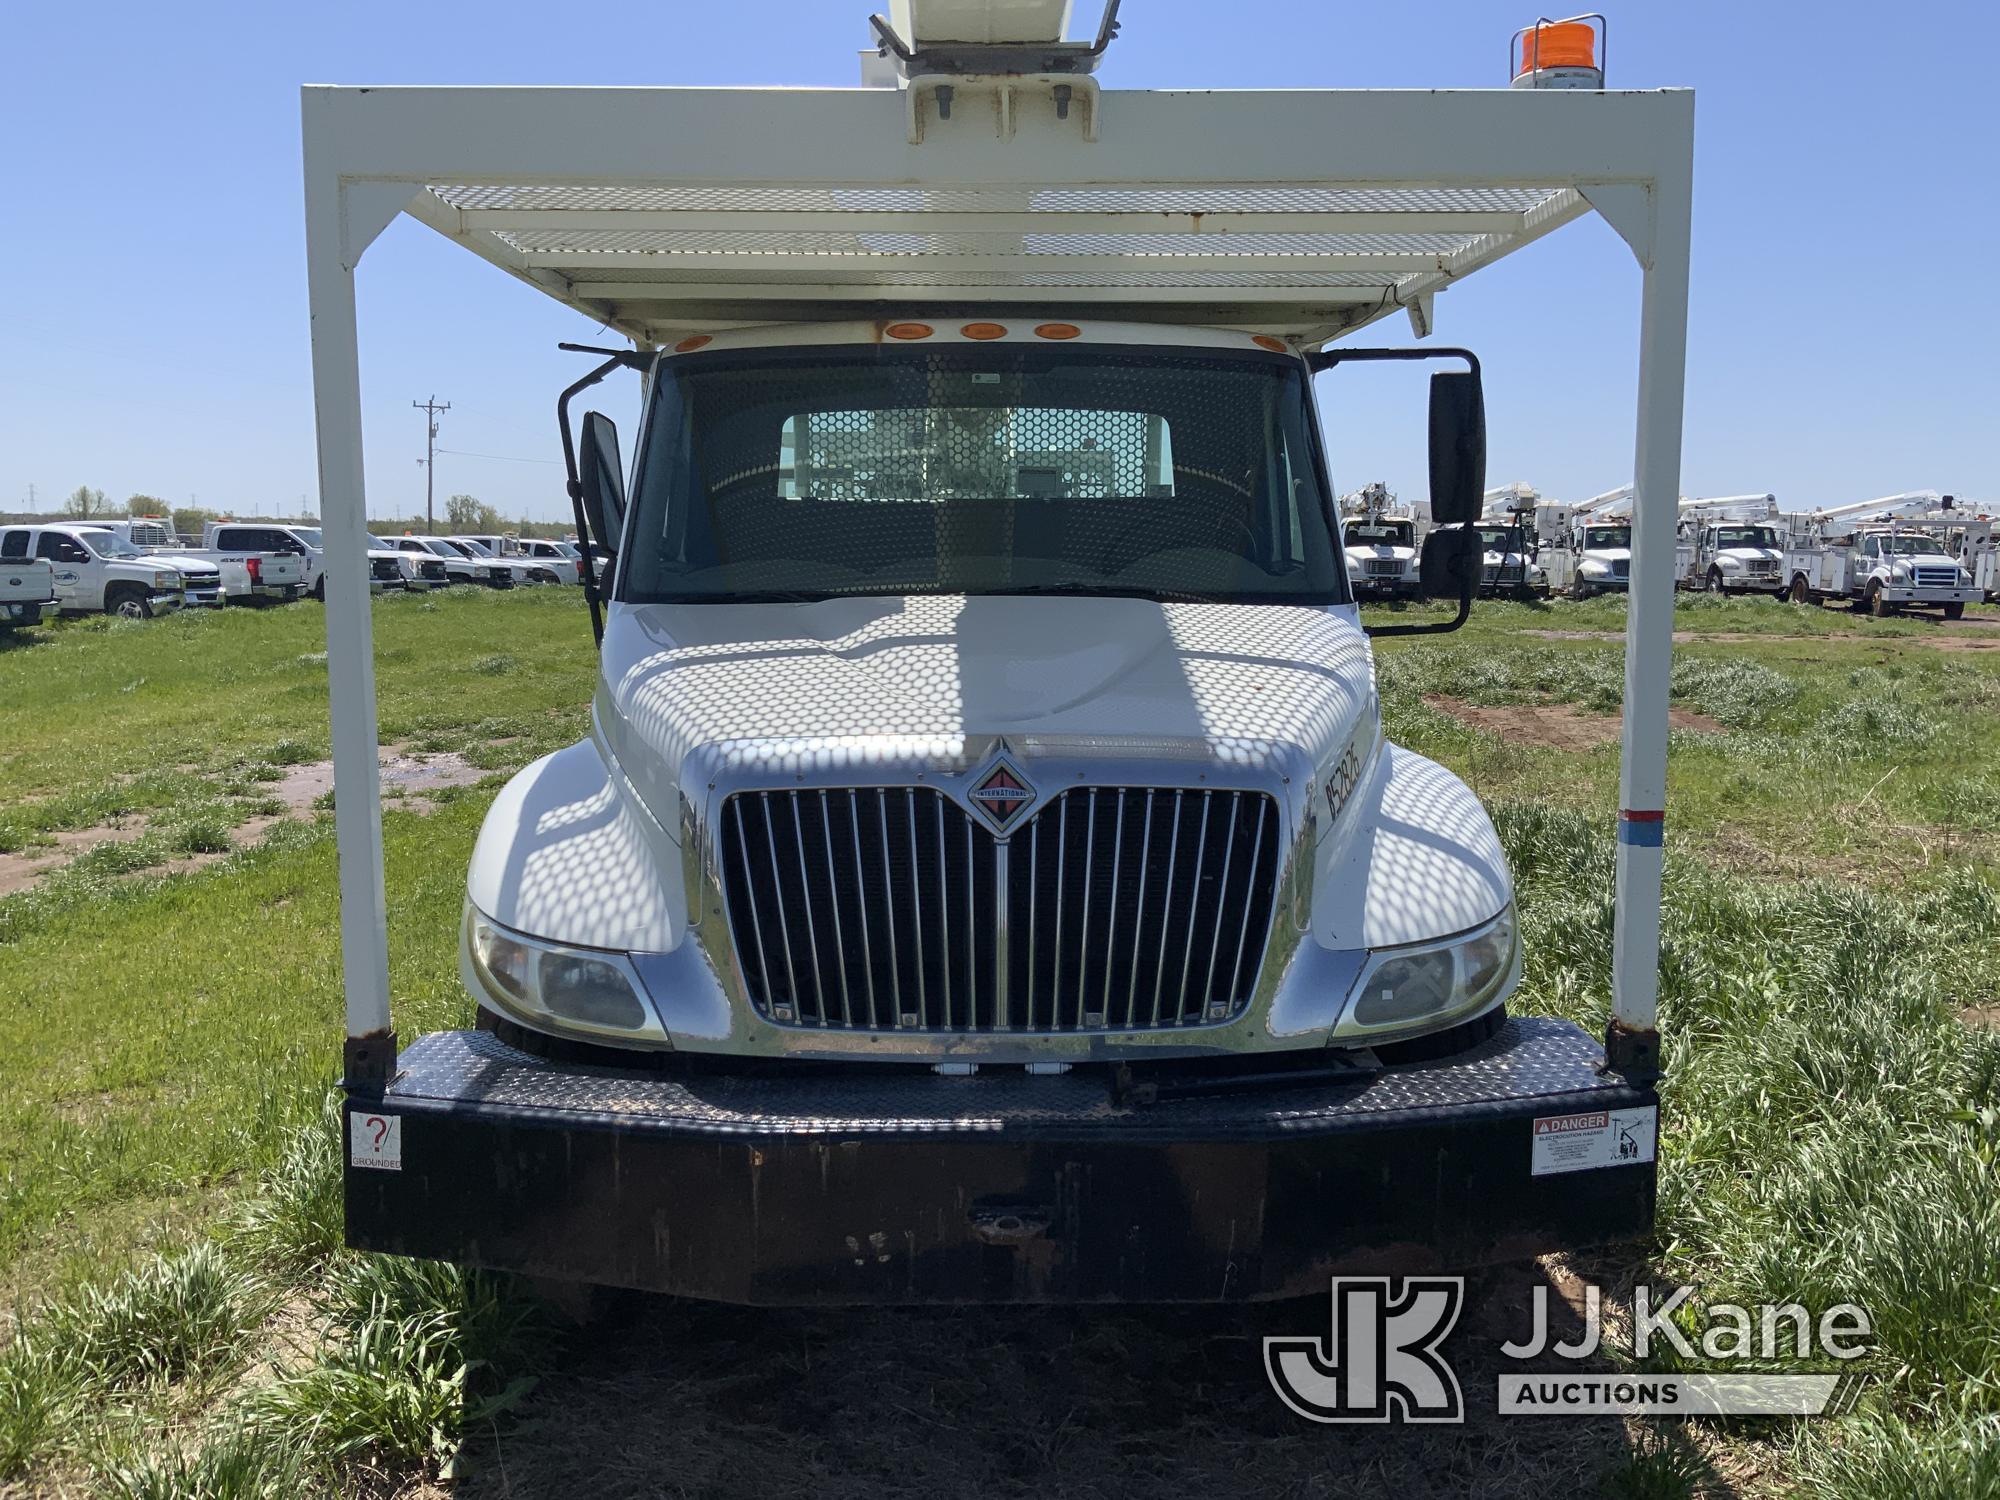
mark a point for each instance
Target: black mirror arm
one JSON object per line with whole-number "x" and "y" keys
{"x": 586, "y": 569}
{"x": 1326, "y": 359}
{"x": 1435, "y": 627}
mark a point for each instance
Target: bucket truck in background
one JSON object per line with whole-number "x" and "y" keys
{"x": 1731, "y": 545}
{"x": 1883, "y": 555}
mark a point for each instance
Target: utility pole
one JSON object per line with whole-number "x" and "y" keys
{"x": 430, "y": 409}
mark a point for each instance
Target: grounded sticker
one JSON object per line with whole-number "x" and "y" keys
{"x": 375, "y": 1141}
{"x": 1600, "y": 1138}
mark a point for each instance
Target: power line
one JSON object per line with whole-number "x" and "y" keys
{"x": 505, "y": 458}
{"x": 430, "y": 409}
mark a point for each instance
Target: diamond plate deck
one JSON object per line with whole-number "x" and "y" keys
{"x": 1530, "y": 1058}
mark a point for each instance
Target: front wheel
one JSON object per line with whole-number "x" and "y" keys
{"x": 1714, "y": 580}
{"x": 319, "y": 589}
{"x": 1878, "y": 603}
{"x": 128, "y": 603}
{"x": 1955, "y": 610}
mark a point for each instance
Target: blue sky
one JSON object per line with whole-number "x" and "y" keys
{"x": 155, "y": 336}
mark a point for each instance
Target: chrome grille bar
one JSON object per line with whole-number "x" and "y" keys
{"x": 978, "y": 959}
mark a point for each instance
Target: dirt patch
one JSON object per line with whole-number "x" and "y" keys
{"x": 1987, "y": 1016}
{"x": 406, "y": 776}
{"x": 408, "y": 779}
{"x": 21, "y": 870}
{"x": 1556, "y": 726}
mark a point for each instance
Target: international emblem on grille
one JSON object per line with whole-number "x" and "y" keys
{"x": 1001, "y": 794}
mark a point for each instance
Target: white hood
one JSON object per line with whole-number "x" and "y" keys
{"x": 690, "y": 693}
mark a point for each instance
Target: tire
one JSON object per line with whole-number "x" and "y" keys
{"x": 319, "y": 589}
{"x": 1800, "y": 592}
{"x": 1452, "y": 1040}
{"x": 1579, "y": 591}
{"x": 128, "y": 601}
{"x": 1955, "y": 610}
{"x": 1878, "y": 606}
{"x": 1713, "y": 583}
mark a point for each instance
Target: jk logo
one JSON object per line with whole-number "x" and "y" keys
{"x": 1380, "y": 1362}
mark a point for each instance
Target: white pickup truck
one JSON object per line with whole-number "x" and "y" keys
{"x": 460, "y": 566}
{"x": 27, "y": 588}
{"x": 386, "y": 569}
{"x": 97, "y": 570}
{"x": 488, "y": 549}
{"x": 271, "y": 572}
{"x": 561, "y": 558}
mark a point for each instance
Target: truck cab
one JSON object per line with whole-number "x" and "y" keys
{"x": 1732, "y": 557}
{"x": 1603, "y": 558}
{"x": 989, "y": 702}
{"x": 1507, "y": 562}
{"x": 1898, "y": 566}
{"x": 94, "y": 569}
{"x": 1380, "y": 544}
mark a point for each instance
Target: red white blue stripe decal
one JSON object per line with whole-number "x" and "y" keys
{"x": 1643, "y": 830}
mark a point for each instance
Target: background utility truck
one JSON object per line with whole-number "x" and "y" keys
{"x": 1380, "y": 540}
{"x": 27, "y": 588}
{"x": 97, "y": 570}
{"x": 986, "y": 877}
{"x": 1880, "y": 555}
{"x": 1601, "y": 544}
{"x": 1509, "y": 542}
{"x": 1731, "y": 545}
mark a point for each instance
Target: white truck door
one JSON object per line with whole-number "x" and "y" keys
{"x": 79, "y": 577}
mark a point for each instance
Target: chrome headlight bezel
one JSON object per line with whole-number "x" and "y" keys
{"x": 1484, "y": 964}
{"x": 166, "y": 580}
{"x": 511, "y": 973}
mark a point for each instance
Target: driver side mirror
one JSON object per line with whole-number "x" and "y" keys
{"x": 601, "y": 474}
{"x": 1458, "y": 448}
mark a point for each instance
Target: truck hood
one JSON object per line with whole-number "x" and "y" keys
{"x": 1752, "y": 554}
{"x": 193, "y": 567}
{"x": 867, "y": 690}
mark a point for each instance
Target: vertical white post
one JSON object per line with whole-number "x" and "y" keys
{"x": 350, "y": 652}
{"x": 1632, "y": 1041}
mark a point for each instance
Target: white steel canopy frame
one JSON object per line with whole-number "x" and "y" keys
{"x": 1305, "y": 214}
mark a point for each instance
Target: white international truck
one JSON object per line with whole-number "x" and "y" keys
{"x": 1509, "y": 542}
{"x": 1731, "y": 545}
{"x": 1380, "y": 540}
{"x": 1600, "y": 544}
{"x": 986, "y": 877}
{"x": 27, "y": 587}
{"x": 95, "y": 570}
{"x": 1887, "y": 555}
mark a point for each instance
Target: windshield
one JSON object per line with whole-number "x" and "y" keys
{"x": 1745, "y": 536}
{"x": 307, "y": 534}
{"x": 109, "y": 544}
{"x": 565, "y": 549}
{"x": 995, "y": 469}
{"x": 1378, "y": 534}
{"x": 469, "y": 547}
{"x": 1910, "y": 544}
{"x": 1607, "y": 536}
{"x": 1499, "y": 539}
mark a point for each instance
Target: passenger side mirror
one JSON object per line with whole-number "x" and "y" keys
{"x": 1458, "y": 449}
{"x": 1451, "y": 562}
{"x": 601, "y": 473}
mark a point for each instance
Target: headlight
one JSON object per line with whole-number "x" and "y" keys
{"x": 1595, "y": 565}
{"x": 1729, "y": 564}
{"x": 1402, "y": 987}
{"x": 562, "y": 988}
{"x": 164, "y": 581}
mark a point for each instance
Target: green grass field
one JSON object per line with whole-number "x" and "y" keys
{"x": 184, "y": 1322}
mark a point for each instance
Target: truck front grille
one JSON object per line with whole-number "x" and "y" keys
{"x": 385, "y": 569}
{"x": 1937, "y": 578}
{"x": 1503, "y": 573}
{"x": 1374, "y": 567}
{"x": 886, "y": 909}
{"x": 1621, "y": 567}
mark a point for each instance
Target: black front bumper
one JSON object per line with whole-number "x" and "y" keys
{"x": 848, "y": 1188}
